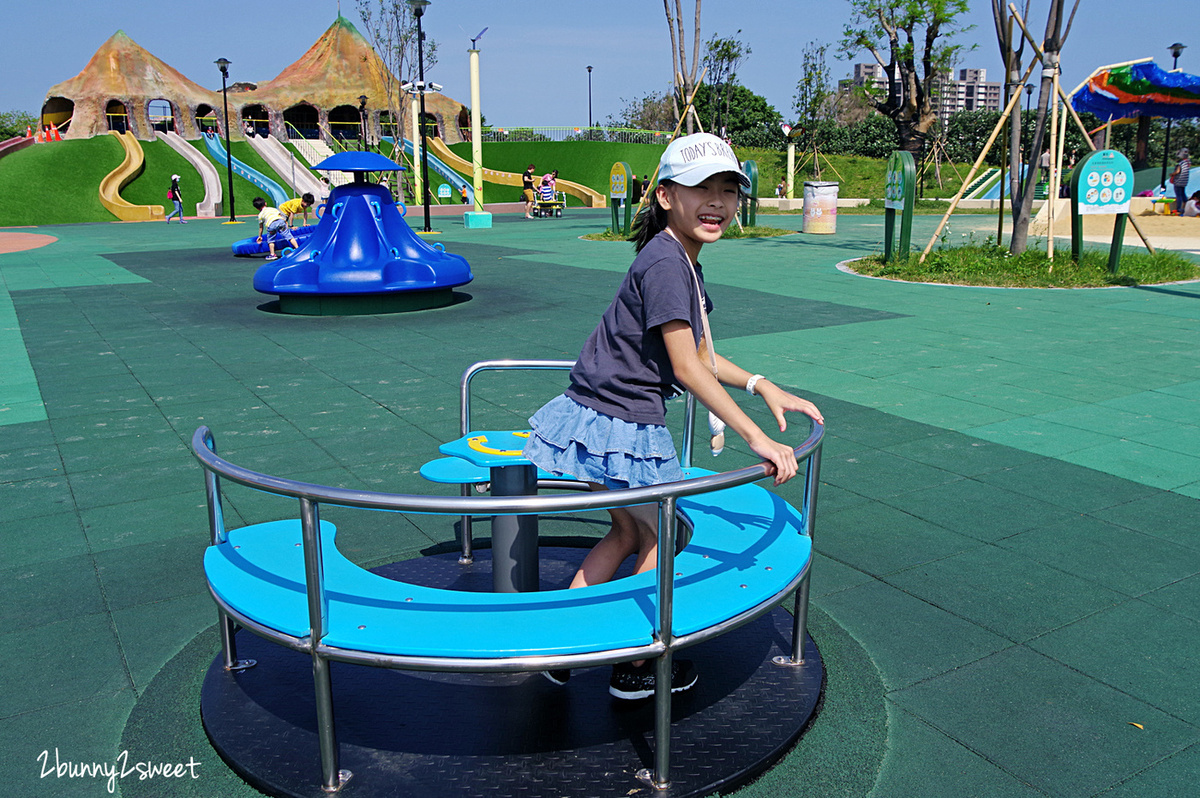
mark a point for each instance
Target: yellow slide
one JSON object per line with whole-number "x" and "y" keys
{"x": 117, "y": 179}
{"x": 591, "y": 198}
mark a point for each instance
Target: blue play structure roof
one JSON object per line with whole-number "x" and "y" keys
{"x": 1142, "y": 89}
{"x": 355, "y": 161}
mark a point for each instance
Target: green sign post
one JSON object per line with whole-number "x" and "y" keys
{"x": 1101, "y": 184}
{"x": 899, "y": 194}
{"x": 750, "y": 206}
{"x": 618, "y": 195}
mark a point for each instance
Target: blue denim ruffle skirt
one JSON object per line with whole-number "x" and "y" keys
{"x": 570, "y": 439}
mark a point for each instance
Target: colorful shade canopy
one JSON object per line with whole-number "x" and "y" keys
{"x": 1139, "y": 90}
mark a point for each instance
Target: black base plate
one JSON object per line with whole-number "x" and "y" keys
{"x": 405, "y": 733}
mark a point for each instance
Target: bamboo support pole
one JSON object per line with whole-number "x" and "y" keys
{"x": 1070, "y": 109}
{"x": 1055, "y": 165}
{"x": 978, "y": 162}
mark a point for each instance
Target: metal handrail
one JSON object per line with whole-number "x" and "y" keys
{"x": 665, "y": 495}
{"x": 203, "y": 448}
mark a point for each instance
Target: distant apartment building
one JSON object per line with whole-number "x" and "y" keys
{"x": 970, "y": 92}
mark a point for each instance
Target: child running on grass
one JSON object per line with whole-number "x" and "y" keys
{"x": 608, "y": 428}
{"x": 271, "y": 221}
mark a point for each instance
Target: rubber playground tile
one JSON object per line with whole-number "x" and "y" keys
{"x": 961, "y": 453}
{"x": 924, "y": 640}
{"x": 1141, "y": 650}
{"x": 80, "y": 732}
{"x": 153, "y": 571}
{"x": 1066, "y": 485}
{"x": 77, "y": 659}
{"x": 1107, "y": 554}
{"x": 95, "y": 453}
{"x": 25, "y": 435}
{"x": 978, "y": 510}
{"x": 121, "y": 484}
{"x": 1191, "y": 489}
{"x": 1109, "y": 421}
{"x": 34, "y": 498}
{"x": 150, "y": 634}
{"x": 832, "y": 499}
{"x": 879, "y": 540}
{"x": 1005, "y": 592}
{"x": 1048, "y": 725}
{"x": 1149, "y": 465}
{"x": 50, "y": 590}
{"x": 1039, "y": 436}
{"x": 1184, "y": 438}
{"x": 923, "y": 761}
{"x": 1173, "y": 777}
{"x": 1163, "y": 515}
{"x": 949, "y": 412}
{"x": 29, "y": 463}
{"x": 109, "y": 424}
{"x": 1016, "y": 400}
{"x": 1160, "y": 404}
{"x": 873, "y": 428}
{"x": 879, "y": 475}
{"x": 1187, "y": 390}
{"x": 251, "y": 423}
{"x": 830, "y": 577}
{"x": 148, "y": 520}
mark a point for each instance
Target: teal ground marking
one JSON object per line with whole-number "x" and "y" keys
{"x": 70, "y": 262}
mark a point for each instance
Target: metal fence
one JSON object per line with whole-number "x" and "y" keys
{"x": 615, "y": 134}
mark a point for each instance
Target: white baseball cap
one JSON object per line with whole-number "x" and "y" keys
{"x": 690, "y": 160}
{"x": 174, "y": 177}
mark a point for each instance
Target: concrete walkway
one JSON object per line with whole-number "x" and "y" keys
{"x": 1009, "y": 566}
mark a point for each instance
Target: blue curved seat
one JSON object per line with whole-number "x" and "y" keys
{"x": 747, "y": 545}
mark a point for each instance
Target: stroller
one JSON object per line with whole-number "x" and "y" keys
{"x": 549, "y": 202}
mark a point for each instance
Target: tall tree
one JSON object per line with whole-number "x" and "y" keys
{"x": 915, "y": 35}
{"x": 1052, "y": 44}
{"x": 722, "y": 57}
{"x": 684, "y": 77}
{"x": 1012, "y": 47}
{"x": 813, "y": 97}
{"x": 649, "y": 112}
{"x": 391, "y": 29}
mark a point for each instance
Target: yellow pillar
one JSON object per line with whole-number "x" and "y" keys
{"x": 476, "y": 134}
{"x": 791, "y": 173}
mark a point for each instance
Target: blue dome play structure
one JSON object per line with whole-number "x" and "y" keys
{"x": 362, "y": 257}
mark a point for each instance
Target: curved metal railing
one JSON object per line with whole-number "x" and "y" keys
{"x": 664, "y": 495}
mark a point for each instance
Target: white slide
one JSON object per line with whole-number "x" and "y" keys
{"x": 291, "y": 169}
{"x": 210, "y": 206}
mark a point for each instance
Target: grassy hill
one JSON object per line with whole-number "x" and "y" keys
{"x": 57, "y": 183}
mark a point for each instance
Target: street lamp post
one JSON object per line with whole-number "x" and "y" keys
{"x": 1176, "y": 50}
{"x": 589, "y": 99}
{"x": 223, "y": 65}
{"x": 418, "y": 9}
{"x": 362, "y": 121}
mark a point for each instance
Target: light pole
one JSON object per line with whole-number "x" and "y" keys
{"x": 589, "y": 98}
{"x": 1176, "y": 50}
{"x": 362, "y": 121}
{"x": 418, "y": 9}
{"x": 223, "y": 65}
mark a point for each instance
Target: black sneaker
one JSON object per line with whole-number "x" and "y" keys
{"x": 559, "y": 677}
{"x": 632, "y": 682}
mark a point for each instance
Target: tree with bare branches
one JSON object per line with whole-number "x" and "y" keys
{"x": 683, "y": 75}
{"x": 1051, "y": 49}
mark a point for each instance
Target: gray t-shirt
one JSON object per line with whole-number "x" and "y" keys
{"x": 624, "y": 370}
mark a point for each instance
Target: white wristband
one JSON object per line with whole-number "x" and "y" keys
{"x": 750, "y": 383}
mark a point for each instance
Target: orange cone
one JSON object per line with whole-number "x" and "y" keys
{"x": 56, "y": 136}
{"x": 29, "y": 131}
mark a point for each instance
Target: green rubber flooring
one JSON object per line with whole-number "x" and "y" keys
{"x": 1008, "y": 529}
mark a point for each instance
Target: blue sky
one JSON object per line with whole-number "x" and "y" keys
{"x": 536, "y": 52}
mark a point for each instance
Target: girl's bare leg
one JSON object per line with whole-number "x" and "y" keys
{"x": 634, "y": 531}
